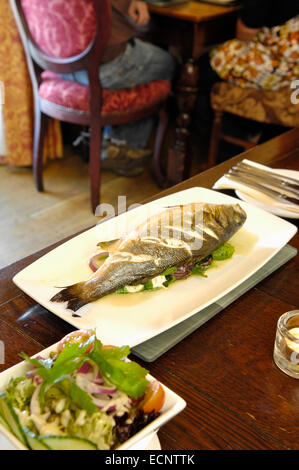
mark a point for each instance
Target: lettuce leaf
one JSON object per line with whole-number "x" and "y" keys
{"x": 19, "y": 392}
{"x": 129, "y": 377}
{"x": 55, "y": 370}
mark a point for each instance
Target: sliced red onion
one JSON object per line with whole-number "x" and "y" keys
{"x": 183, "y": 271}
{"x": 111, "y": 408}
{"x": 38, "y": 379}
{"x": 104, "y": 405}
{"x": 100, "y": 403}
{"x": 97, "y": 260}
{"x": 104, "y": 389}
{"x": 34, "y": 402}
{"x": 87, "y": 383}
{"x": 85, "y": 368}
{"x": 99, "y": 376}
{"x": 180, "y": 275}
{"x": 208, "y": 262}
{"x": 185, "y": 268}
{"x": 99, "y": 379}
{"x": 89, "y": 371}
{"x": 99, "y": 382}
{"x": 30, "y": 374}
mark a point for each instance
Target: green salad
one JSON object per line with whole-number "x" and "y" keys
{"x": 84, "y": 396}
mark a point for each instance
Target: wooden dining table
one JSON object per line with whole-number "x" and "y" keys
{"x": 192, "y": 25}
{"x": 236, "y": 396}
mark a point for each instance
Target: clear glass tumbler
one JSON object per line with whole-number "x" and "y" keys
{"x": 286, "y": 347}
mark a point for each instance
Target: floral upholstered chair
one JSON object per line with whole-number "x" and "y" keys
{"x": 65, "y": 36}
{"x": 272, "y": 107}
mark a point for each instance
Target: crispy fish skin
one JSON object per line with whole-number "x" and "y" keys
{"x": 176, "y": 237}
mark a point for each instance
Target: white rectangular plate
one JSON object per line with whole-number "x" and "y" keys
{"x": 134, "y": 318}
{"x": 173, "y": 404}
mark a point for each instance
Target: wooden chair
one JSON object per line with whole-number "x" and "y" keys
{"x": 70, "y": 38}
{"x": 272, "y": 107}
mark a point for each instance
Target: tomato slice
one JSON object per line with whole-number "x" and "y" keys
{"x": 154, "y": 398}
{"x": 79, "y": 337}
{"x": 108, "y": 346}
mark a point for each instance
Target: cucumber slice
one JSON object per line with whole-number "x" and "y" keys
{"x": 9, "y": 414}
{"x": 67, "y": 443}
{"x": 4, "y": 423}
{"x": 35, "y": 442}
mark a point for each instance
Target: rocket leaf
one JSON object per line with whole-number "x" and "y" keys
{"x": 128, "y": 377}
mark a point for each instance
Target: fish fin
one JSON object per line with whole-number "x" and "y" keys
{"x": 75, "y": 304}
{"x": 71, "y": 295}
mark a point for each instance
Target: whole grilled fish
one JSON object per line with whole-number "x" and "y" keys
{"x": 178, "y": 236}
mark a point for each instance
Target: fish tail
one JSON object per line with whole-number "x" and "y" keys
{"x": 72, "y": 295}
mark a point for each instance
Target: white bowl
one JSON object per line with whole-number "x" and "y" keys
{"x": 173, "y": 405}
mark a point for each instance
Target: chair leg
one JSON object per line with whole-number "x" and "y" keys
{"x": 40, "y": 121}
{"x": 160, "y": 136}
{"x": 95, "y": 164}
{"x": 215, "y": 137}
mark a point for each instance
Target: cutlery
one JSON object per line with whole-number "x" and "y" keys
{"x": 267, "y": 181}
{"x": 279, "y": 200}
{"x": 265, "y": 171}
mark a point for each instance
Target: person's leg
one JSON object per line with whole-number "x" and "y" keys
{"x": 140, "y": 63}
{"x": 135, "y": 134}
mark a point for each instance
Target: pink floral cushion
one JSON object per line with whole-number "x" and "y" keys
{"x": 61, "y": 28}
{"x": 76, "y": 96}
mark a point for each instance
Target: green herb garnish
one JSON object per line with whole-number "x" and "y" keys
{"x": 128, "y": 377}
{"x": 122, "y": 290}
{"x": 169, "y": 271}
{"x": 169, "y": 280}
{"x": 148, "y": 285}
{"x": 199, "y": 270}
{"x": 224, "y": 251}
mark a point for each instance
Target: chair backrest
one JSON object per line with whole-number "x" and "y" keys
{"x": 64, "y": 36}
{"x": 60, "y": 28}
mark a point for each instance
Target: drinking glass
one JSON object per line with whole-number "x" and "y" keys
{"x": 286, "y": 347}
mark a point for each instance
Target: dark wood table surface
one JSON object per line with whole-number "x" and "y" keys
{"x": 236, "y": 397}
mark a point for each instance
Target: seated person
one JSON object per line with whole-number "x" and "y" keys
{"x": 263, "y": 55}
{"x": 128, "y": 61}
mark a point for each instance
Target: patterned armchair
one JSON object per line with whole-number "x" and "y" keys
{"x": 272, "y": 107}
{"x": 62, "y": 37}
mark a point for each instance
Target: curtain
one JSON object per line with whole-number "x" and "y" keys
{"x": 17, "y": 99}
